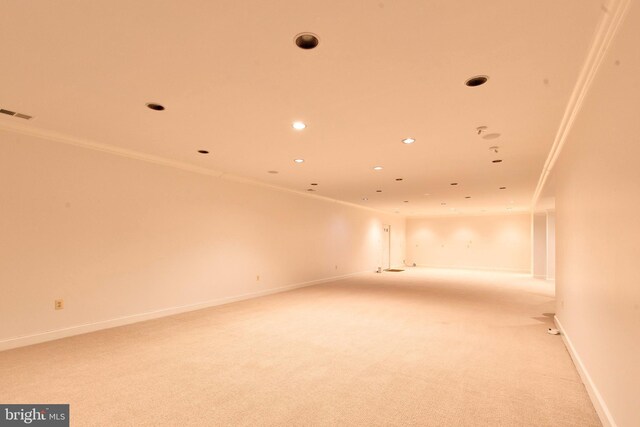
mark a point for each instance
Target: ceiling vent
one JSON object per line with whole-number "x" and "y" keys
{"x": 14, "y": 114}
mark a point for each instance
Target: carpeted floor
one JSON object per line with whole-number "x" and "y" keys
{"x": 421, "y": 347}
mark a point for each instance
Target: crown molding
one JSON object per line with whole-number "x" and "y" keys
{"x": 612, "y": 17}
{"x": 162, "y": 161}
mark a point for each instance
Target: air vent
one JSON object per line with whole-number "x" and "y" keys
{"x": 14, "y": 114}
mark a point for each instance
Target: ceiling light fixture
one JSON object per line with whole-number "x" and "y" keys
{"x": 272, "y": 172}
{"x": 298, "y": 125}
{"x": 408, "y": 140}
{"x": 454, "y": 183}
{"x": 406, "y": 201}
{"x": 203, "y": 152}
{"x": 476, "y": 81}
{"x": 314, "y": 183}
{"x": 467, "y": 197}
{"x": 299, "y": 160}
{"x": 503, "y": 188}
{"x": 377, "y": 168}
{"x": 491, "y": 136}
{"x": 443, "y": 203}
{"x": 365, "y": 199}
{"x": 398, "y": 179}
{"x": 378, "y": 191}
{"x": 307, "y": 41}
{"x": 496, "y": 161}
{"x": 154, "y": 106}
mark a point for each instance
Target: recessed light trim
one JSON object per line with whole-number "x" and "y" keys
{"x": 496, "y": 161}
{"x": 467, "y": 197}
{"x": 314, "y": 183}
{"x": 408, "y": 140}
{"x": 476, "y": 81}
{"x": 398, "y": 179}
{"x": 155, "y": 106}
{"x": 307, "y": 41}
{"x": 298, "y": 125}
{"x": 454, "y": 183}
{"x": 365, "y": 199}
{"x": 272, "y": 172}
{"x": 299, "y": 161}
{"x": 377, "y": 168}
{"x": 502, "y": 188}
{"x": 203, "y": 152}
{"x": 378, "y": 191}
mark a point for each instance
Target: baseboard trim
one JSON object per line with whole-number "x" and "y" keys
{"x": 501, "y": 270}
{"x": 596, "y": 398}
{"x": 41, "y": 337}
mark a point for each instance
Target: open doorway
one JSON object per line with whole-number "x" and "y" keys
{"x": 385, "y": 259}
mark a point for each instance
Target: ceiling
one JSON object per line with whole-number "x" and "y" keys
{"x": 233, "y": 81}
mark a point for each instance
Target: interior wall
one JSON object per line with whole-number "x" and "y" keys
{"x": 597, "y": 179}
{"x": 540, "y": 245}
{"x": 116, "y": 237}
{"x": 551, "y": 245}
{"x": 496, "y": 242}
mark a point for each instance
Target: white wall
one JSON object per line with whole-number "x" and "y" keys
{"x": 598, "y": 231}
{"x": 496, "y": 242}
{"x": 551, "y": 245}
{"x": 117, "y": 237}
{"x": 540, "y": 245}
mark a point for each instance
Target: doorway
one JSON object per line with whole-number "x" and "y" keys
{"x": 385, "y": 261}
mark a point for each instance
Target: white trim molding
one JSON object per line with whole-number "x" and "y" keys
{"x": 612, "y": 16}
{"x": 41, "y": 337}
{"x": 598, "y": 402}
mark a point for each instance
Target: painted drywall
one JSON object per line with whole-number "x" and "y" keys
{"x": 117, "y": 237}
{"x": 597, "y": 181}
{"x": 496, "y": 242}
{"x": 551, "y": 245}
{"x": 540, "y": 245}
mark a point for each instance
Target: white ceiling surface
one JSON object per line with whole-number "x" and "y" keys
{"x": 233, "y": 81}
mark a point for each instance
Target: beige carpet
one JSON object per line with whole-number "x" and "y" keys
{"x": 422, "y": 347}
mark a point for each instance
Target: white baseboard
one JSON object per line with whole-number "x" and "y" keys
{"x": 25, "y": 340}
{"x": 598, "y": 402}
{"x": 501, "y": 270}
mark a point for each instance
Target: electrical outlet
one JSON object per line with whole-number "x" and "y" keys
{"x": 58, "y": 304}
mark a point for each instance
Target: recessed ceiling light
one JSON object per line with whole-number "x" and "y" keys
{"x": 298, "y": 125}
{"x": 496, "y": 161}
{"x": 299, "y": 160}
{"x": 378, "y": 191}
{"x": 398, "y": 179}
{"x": 314, "y": 183}
{"x": 443, "y": 203}
{"x": 476, "y": 81}
{"x": 203, "y": 152}
{"x": 467, "y": 197}
{"x": 154, "y": 106}
{"x": 310, "y": 189}
{"x": 454, "y": 183}
{"x": 273, "y": 172}
{"x": 306, "y": 41}
{"x": 406, "y": 201}
{"x": 365, "y": 199}
{"x": 377, "y": 168}
{"x": 408, "y": 140}
{"x": 503, "y": 188}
